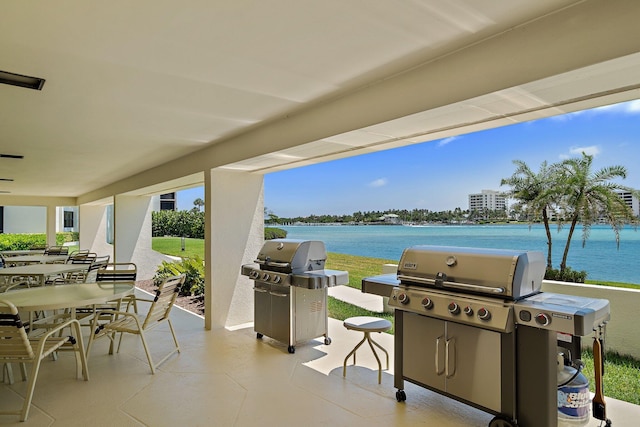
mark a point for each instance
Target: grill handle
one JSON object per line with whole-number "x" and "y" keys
{"x": 439, "y": 371}
{"x": 466, "y": 286}
{"x": 450, "y": 348}
{"x": 272, "y": 263}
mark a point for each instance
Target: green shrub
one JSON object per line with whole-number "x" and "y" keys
{"x": 22, "y": 241}
{"x": 192, "y": 267}
{"x": 568, "y": 275}
{"x": 178, "y": 224}
{"x": 274, "y": 233}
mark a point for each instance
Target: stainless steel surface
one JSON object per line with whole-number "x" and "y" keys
{"x": 380, "y": 285}
{"x": 290, "y": 290}
{"x": 483, "y": 312}
{"x": 568, "y": 314}
{"x": 294, "y": 262}
{"x": 472, "y": 325}
{"x": 446, "y": 359}
{"x": 292, "y": 255}
{"x": 499, "y": 272}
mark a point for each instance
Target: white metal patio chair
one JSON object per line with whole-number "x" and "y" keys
{"x": 139, "y": 324}
{"x": 17, "y": 347}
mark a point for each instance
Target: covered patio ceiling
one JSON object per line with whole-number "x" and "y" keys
{"x": 142, "y": 97}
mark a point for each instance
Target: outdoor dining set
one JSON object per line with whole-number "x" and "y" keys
{"x": 47, "y": 297}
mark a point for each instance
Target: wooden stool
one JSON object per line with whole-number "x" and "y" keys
{"x": 367, "y": 325}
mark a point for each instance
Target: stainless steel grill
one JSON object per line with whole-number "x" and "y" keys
{"x": 291, "y": 290}
{"x": 473, "y": 325}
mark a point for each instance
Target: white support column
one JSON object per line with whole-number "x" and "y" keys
{"x": 132, "y": 234}
{"x": 51, "y": 225}
{"x": 234, "y": 234}
{"x": 93, "y": 230}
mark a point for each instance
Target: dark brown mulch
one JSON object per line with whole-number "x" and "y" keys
{"x": 194, "y": 304}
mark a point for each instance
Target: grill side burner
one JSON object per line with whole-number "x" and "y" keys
{"x": 472, "y": 324}
{"x": 291, "y": 290}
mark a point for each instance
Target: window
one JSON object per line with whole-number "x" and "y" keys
{"x": 68, "y": 219}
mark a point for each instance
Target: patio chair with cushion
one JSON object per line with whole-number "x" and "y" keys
{"x": 17, "y": 347}
{"x": 132, "y": 323}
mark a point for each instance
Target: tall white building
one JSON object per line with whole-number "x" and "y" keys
{"x": 631, "y": 201}
{"x": 487, "y": 199}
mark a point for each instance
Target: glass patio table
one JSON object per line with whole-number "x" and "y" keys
{"x": 40, "y": 271}
{"x": 58, "y": 297}
{"x": 16, "y": 252}
{"x": 36, "y": 259}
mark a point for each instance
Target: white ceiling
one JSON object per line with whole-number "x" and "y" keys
{"x": 150, "y": 93}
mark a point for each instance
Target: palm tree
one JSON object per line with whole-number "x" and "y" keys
{"x": 198, "y": 203}
{"x": 536, "y": 195}
{"x": 591, "y": 196}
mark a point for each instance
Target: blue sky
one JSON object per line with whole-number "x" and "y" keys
{"x": 439, "y": 175}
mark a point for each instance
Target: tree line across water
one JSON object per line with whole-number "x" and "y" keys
{"x": 567, "y": 193}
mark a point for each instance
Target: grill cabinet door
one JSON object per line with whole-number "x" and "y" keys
{"x": 281, "y": 313}
{"x": 423, "y": 354}
{"x": 463, "y": 361}
{"x": 262, "y": 308}
{"x": 474, "y": 365}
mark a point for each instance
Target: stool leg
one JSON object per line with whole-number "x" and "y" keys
{"x": 368, "y": 337}
{"x": 382, "y": 348}
{"x": 344, "y": 365}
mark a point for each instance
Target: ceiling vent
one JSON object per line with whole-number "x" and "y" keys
{"x": 20, "y": 80}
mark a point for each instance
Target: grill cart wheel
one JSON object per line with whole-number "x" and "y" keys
{"x": 259, "y": 336}
{"x": 502, "y": 421}
{"x": 327, "y": 340}
{"x": 401, "y": 396}
{"x": 291, "y": 349}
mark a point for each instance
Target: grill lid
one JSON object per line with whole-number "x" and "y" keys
{"x": 292, "y": 255}
{"x": 503, "y": 273}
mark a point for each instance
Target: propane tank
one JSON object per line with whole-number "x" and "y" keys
{"x": 574, "y": 399}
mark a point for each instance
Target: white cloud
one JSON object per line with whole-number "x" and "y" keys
{"x": 445, "y": 141}
{"x": 380, "y": 182}
{"x": 633, "y": 106}
{"x": 592, "y": 150}
{"x": 629, "y": 107}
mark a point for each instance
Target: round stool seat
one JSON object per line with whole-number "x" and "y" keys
{"x": 367, "y": 324}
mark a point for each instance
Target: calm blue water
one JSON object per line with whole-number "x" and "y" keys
{"x": 599, "y": 257}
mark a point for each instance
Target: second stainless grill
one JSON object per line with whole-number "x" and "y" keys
{"x": 472, "y": 324}
{"x": 291, "y": 290}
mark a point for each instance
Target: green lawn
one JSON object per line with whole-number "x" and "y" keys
{"x": 622, "y": 374}
{"x": 173, "y": 246}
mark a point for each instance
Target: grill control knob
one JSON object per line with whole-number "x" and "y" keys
{"x": 265, "y": 276}
{"x": 468, "y": 311}
{"x": 277, "y": 279}
{"x": 403, "y": 298}
{"x": 254, "y": 274}
{"x": 453, "y": 308}
{"x": 484, "y": 314}
{"x": 427, "y": 303}
{"x": 542, "y": 319}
